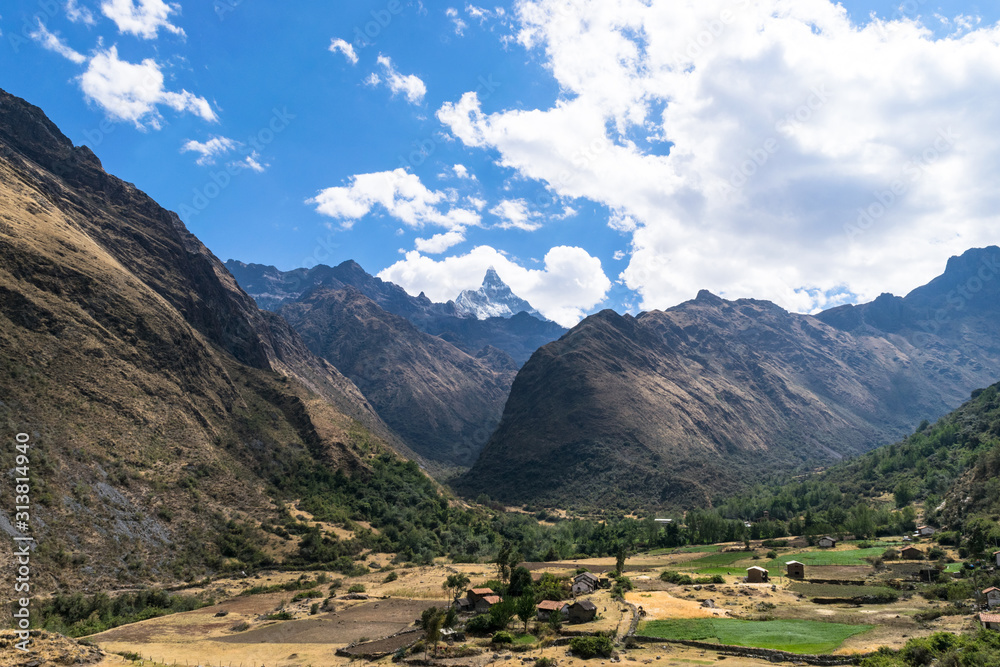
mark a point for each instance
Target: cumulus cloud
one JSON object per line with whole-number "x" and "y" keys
{"x": 78, "y": 14}
{"x": 515, "y": 214}
{"x": 52, "y": 42}
{"x": 344, "y": 47}
{"x": 438, "y": 243}
{"x": 143, "y": 19}
{"x": 772, "y": 149}
{"x": 570, "y": 283}
{"x": 408, "y": 85}
{"x": 400, "y": 194}
{"x": 209, "y": 150}
{"x": 133, "y": 92}
{"x": 251, "y": 162}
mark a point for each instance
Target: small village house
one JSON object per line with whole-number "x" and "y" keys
{"x": 827, "y": 542}
{"x": 582, "y": 611}
{"x": 925, "y": 531}
{"x": 996, "y": 556}
{"x": 546, "y": 608}
{"x": 992, "y": 597}
{"x": 990, "y": 621}
{"x": 585, "y": 582}
{"x": 757, "y": 575}
{"x": 481, "y": 599}
{"x": 795, "y": 570}
{"x": 911, "y": 553}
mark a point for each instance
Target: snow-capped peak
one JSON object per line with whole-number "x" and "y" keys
{"x": 493, "y": 299}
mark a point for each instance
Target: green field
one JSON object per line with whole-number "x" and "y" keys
{"x": 805, "y": 637}
{"x": 848, "y": 557}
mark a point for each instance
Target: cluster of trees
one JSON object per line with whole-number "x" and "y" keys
{"x": 77, "y": 615}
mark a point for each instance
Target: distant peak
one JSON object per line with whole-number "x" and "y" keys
{"x": 493, "y": 299}
{"x": 704, "y": 296}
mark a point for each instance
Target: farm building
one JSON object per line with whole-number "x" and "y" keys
{"x": 925, "y": 531}
{"x": 795, "y": 570}
{"x": 757, "y": 575}
{"x": 582, "y": 611}
{"x": 585, "y": 582}
{"x": 548, "y": 607}
{"x": 992, "y": 597}
{"x": 481, "y": 599}
{"x": 465, "y": 605}
{"x": 827, "y": 542}
{"x": 996, "y": 556}
{"x": 911, "y": 553}
{"x": 990, "y": 621}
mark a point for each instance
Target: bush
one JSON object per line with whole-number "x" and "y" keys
{"x": 479, "y": 625}
{"x": 545, "y": 662}
{"x": 389, "y": 578}
{"x": 503, "y": 637}
{"x": 356, "y": 588}
{"x": 592, "y": 647}
{"x": 774, "y": 544}
{"x": 314, "y": 608}
{"x": 771, "y": 555}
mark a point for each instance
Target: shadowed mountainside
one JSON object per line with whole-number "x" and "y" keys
{"x": 160, "y": 401}
{"x": 673, "y": 406}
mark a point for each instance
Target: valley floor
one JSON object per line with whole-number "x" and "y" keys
{"x": 270, "y": 629}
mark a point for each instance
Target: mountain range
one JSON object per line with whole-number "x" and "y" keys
{"x": 437, "y": 375}
{"x": 678, "y": 406}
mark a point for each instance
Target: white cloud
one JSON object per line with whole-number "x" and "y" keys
{"x": 739, "y": 143}
{"x": 399, "y": 193}
{"x": 462, "y": 172}
{"x": 52, "y": 42}
{"x": 570, "y": 283}
{"x": 133, "y": 92}
{"x": 143, "y": 19}
{"x": 78, "y": 14}
{"x": 438, "y": 243}
{"x": 459, "y": 24}
{"x": 515, "y": 214}
{"x": 344, "y": 47}
{"x": 209, "y": 150}
{"x": 409, "y": 85}
{"x": 251, "y": 162}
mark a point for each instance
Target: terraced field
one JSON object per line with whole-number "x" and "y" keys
{"x": 794, "y": 636}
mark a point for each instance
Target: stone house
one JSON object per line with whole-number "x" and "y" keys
{"x": 795, "y": 570}
{"x": 757, "y": 575}
{"x": 582, "y": 611}
{"x": 827, "y": 542}
{"x": 546, "y": 608}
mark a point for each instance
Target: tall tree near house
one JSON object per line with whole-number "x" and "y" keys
{"x": 431, "y": 621}
{"x": 503, "y": 561}
{"x": 457, "y": 583}
{"x": 525, "y": 608}
{"x": 620, "y": 558}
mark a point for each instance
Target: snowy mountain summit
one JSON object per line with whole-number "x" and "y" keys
{"x": 493, "y": 299}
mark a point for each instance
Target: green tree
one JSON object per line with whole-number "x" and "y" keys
{"x": 456, "y": 583}
{"x": 903, "y": 494}
{"x": 620, "y": 558}
{"x": 501, "y": 613}
{"x": 525, "y": 609}
{"x": 520, "y": 582}
{"x": 431, "y": 621}
{"x": 503, "y": 561}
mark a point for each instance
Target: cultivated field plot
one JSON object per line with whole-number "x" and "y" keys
{"x": 843, "y": 591}
{"x": 795, "y": 636}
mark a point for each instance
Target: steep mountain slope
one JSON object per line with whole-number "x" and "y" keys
{"x": 673, "y": 406}
{"x": 517, "y": 336}
{"x": 494, "y": 298}
{"x": 441, "y": 401}
{"x": 160, "y": 401}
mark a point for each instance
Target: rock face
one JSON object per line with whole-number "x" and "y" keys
{"x": 672, "y": 407}
{"x": 517, "y": 336}
{"x": 441, "y": 401}
{"x": 134, "y": 361}
{"x": 493, "y": 299}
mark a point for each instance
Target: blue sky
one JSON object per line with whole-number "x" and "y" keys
{"x": 600, "y": 154}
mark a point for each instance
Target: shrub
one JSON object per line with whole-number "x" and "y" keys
{"x": 389, "y": 578}
{"x": 479, "y": 625}
{"x": 545, "y": 662}
{"x": 314, "y": 608}
{"x": 240, "y": 627}
{"x": 356, "y": 588}
{"x": 503, "y": 637}
{"x": 591, "y": 647}
{"x": 772, "y": 555}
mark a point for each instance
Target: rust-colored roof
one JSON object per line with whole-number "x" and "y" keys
{"x": 990, "y": 590}
{"x": 483, "y": 591}
{"x": 989, "y": 618}
{"x": 491, "y": 599}
{"x": 550, "y": 605}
